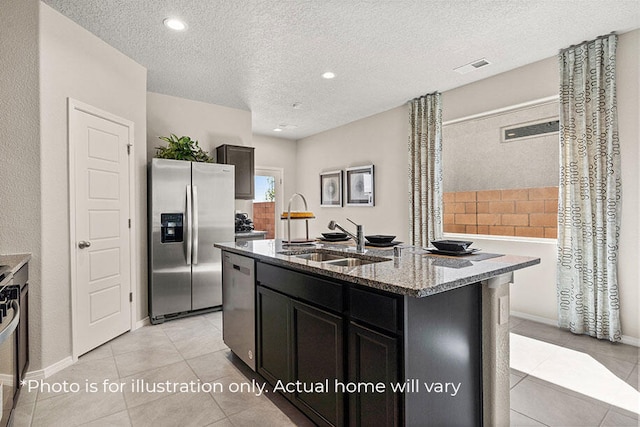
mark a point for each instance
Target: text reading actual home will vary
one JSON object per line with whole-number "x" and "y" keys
{"x": 254, "y": 387}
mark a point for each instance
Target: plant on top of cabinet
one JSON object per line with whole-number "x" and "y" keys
{"x": 183, "y": 148}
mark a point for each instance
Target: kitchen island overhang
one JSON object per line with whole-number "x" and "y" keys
{"x": 451, "y": 334}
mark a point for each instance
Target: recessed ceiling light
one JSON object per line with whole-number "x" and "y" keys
{"x": 278, "y": 130}
{"x": 328, "y": 75}
{"x": 174, "y": 24}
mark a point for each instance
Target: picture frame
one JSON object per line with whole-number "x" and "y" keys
{"x": 360, "y": 186}
{"x": 331, "y": 189}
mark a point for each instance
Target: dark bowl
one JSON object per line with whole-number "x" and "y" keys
{"x": 451, "y": 245}
{"x": 380, "y": 238}
{"x": 334, "y": 236}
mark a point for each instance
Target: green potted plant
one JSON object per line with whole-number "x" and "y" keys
{"x": 183, "y": 148}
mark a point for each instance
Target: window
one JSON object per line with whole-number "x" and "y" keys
{"x": 495, "y": 188}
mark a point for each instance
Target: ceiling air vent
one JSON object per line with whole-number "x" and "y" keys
{"x": 479, "y": 63}
{"x": 530, "y": 130}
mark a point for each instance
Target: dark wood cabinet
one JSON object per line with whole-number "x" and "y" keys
{"x": 318, "y": 358}
{"x": 242, "y": 158}
{"x": 301, "y": 340}
{"x": 315, "y": 331}
{"x": 373, "y": 358}
{"x": 273, "y": 335}
{"x": 312, "y": 328}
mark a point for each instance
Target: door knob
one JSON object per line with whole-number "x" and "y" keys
{"x": 84, "y": 244}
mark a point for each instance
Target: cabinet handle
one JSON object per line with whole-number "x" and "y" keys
{"x": 83, "y": 244}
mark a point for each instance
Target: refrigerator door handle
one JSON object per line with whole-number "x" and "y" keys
{"x": 195, "y": 224}
{"x": 189, "y": 225}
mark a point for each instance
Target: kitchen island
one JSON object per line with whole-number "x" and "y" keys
{"x": 373, "y": 339}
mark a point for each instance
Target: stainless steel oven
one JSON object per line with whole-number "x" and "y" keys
{"x": 9, "y": 319}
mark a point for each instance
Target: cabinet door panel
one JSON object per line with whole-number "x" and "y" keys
{"x": 274, "y": 355}
{"x": 242, "y": 158}
{"x": 373, "y": 358}
{"x": 318, "y": 358}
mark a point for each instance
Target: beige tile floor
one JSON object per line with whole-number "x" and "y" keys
{"x": 191, "y": 350}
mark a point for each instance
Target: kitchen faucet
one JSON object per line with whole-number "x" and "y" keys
{"x": 358, "y": 237}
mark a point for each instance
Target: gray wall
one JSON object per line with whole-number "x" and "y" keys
{"x": 20, "y": 144}
{"x": 380, "y": 140}
{"x": 474, "y": 158}
{"x": 75, "y": 63}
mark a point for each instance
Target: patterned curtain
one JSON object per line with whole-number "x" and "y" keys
{"x": 425, "y": 169}
{"x": 590, "y": 191}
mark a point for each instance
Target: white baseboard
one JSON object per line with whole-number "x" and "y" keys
{"x": 625, "y": 338}
{"x": 49, "y": 370}
{"x": 538, "y": 319}
{"x": 143, "y": 322}
{"x": 42, "y": 374}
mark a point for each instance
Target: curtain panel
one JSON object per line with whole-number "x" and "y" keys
{"x": 590, "y": 191}
{"x": 425, "y": 169}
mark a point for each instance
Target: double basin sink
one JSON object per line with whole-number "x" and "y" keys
{"x": 340, "y": 260}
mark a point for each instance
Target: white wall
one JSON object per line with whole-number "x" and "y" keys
{"x": 211, "y": 125}
{"x": 278, "y": 153}
{"x": 628, "y": 71}
{"x": 381, "y": 140}
{"x": 75, "y": 63}
{"x": 20, "y": 146}
{"x": 272, "y": 152}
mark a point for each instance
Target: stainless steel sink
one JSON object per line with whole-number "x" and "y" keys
{"x": 320, "y": 256}
{"x": 351, "y": 262}
{"x": 338, "y": 259}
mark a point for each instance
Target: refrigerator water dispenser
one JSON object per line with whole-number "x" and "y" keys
{"x": 171, "y": 228}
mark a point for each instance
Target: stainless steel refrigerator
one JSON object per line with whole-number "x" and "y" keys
{"x": 191, "y": 207}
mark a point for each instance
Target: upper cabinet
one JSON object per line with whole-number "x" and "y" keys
{"x": 242, "y": 158}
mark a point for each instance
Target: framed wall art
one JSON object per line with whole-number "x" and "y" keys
{"x": 331, "y": 189}
{"x": 360, "y": 186}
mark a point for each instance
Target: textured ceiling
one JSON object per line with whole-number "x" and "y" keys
{"x": 265, "y": 55}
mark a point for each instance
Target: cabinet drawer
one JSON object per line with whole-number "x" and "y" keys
{"x": 374, "y": 308}
{"x": 301, "y": 286}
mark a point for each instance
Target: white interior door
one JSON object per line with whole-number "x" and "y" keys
{"x": 101, "y": 241}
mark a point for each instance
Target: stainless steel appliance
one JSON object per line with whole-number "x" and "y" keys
{"x": 9, "y": 319}
{"x": 191, "y": 207}
{"x": 238, "y": 309}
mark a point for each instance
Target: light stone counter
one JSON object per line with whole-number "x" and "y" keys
{"x": 15, "y": 261}
{"x": 415, "y": 273}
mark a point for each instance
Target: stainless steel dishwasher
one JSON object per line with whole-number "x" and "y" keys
{"x": 238, "y": 306}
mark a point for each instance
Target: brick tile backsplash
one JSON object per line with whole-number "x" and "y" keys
{"x": 524, "y": 212}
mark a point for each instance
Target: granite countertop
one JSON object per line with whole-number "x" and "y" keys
{"x": 249, "y": 233}
{"x": 415, "y": 273}
{"x": 15, "y": 261}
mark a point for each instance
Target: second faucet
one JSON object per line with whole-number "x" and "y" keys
{"x": 358, "y": 237}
